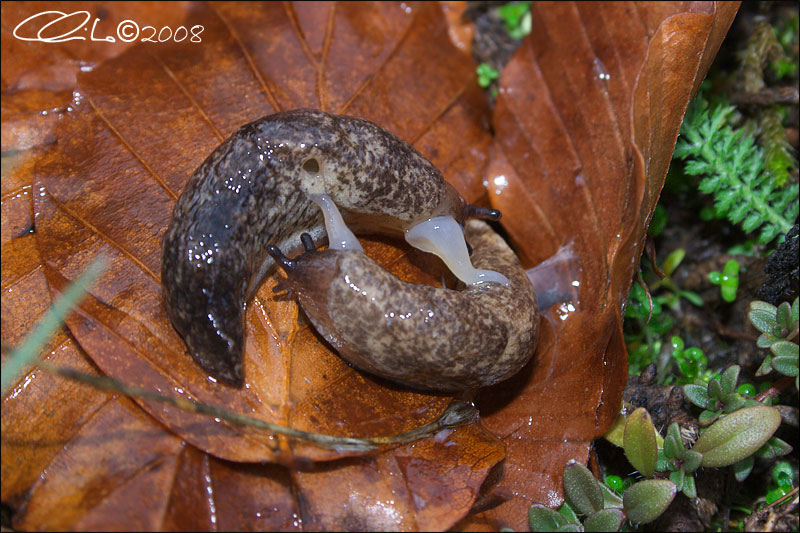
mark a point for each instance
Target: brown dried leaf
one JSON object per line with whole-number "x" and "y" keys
{"x": 123, "y": 159}
{"x": 150, "y": 136}
{"x": 586, "y": 122}
{"x": 78, "y": 39}
{"x": 78, "y": 459}
{"x": 126, "y": 150}
{"x": 38, "y": 78}
{"x": 75, "y": 458}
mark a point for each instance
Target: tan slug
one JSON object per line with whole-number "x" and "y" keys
{"x": 426, "y": 337}
{"x": 283, "y": 175}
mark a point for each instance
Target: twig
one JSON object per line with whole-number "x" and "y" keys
{"x": 775, "y": 389}
{"x": 768, "y": 96}
{"x": 457, "y": 414}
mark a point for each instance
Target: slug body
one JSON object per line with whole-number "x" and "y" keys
{"x": 271, "y": 181}
{"x": 426, "y": 337}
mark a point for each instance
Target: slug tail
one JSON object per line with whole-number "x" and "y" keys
{"x": 215, "y": 341}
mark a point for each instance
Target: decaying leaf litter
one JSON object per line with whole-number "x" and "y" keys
{"x": 450, "y": 128}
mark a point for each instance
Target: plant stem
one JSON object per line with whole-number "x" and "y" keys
{"x": 776, "y": 388}
{"x": 457, "y": 413}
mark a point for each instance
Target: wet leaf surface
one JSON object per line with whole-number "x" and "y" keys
{"x": 123, "y": 155}
{"x": 583, "y": 140}
{"x": 76, "y": 458}
{"x": 38, "y": 77}
{"x": 77, "y": 41}
{"x": 126, "y": 153}
{"x": 586, "y": 121}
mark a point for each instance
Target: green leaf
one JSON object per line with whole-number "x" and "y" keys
{"x": 743, "y": 468}
{"x": 610, "y": 498}
{"x": 515, "y": 14}
{"x": 780, "y": 446}
{"x": 616, "y": 431}
{"x": 737, "y": 435}
{"x": 697, "y": 394}
{"x": 677, "y": 344}
{"x": 646, "y": 500}
{"x": 746, "y": 389}
{"x": 730, "y": 280}
{"x": 692, "y": 461}
{"x": 639, "y": 442}
{"x": 766, "y": 366}
{"x": 568, "y": 512}
{"x": 677, "y": 477}
{"x": 731, "y": 269}
{"x": 707, "y": 417}
{"x": 729, "y": 378}
{"x": 728, "y": 292}
{"x": 762, "y": 316}
{"x": 765, "y": 340}
{"x": 662, "y": 464}
{"x": 774, "y": 447}
{"x": 541, "y": 518}
{"x": 675, "y": 430}
{"x": 733, "y": 402}
{"x": 486, "y": 74}
{"x": 672, "y": 449}
{"x": 689, "y": 488}
{"x": 783, "y": 316}
{"x": 784, "y": 348}
{"x": 783, "y": 474}
{"x": 715, "y": 390}
{"x": 785, "y": 364}
{"x": 582, "y": 489}
{"x": 569, "y": 528}
{"x": 613, "y": 482}
{"x": 673, "y": 260}
{"x": 752, "y": 222}
{"x": 692, "y": 297}
{"x": 605, "y": 520}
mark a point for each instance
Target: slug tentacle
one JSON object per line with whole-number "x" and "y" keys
{"x": 308, "y": 242}
{"x": 483, "y": 213}
{"x": 284, "y": 262}
{"x": 274, "y": 179}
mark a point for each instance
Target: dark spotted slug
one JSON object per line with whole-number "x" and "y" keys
{"x": 278, "y": 177}
{"x": 426, "y": 337}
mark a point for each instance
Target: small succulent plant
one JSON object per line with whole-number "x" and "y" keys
{"x": 680, "y": 461}
{"x": 739, "y": 429}
{"x": 718, "y": 397}
{"x": 779, "y": 332}
{"x": 517, "y": 17}
{"x": 692, "y": 362}
{"x": 601, "y": 508}
{"x": 728, "y": 280}
{"x": 486, "y": 74}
